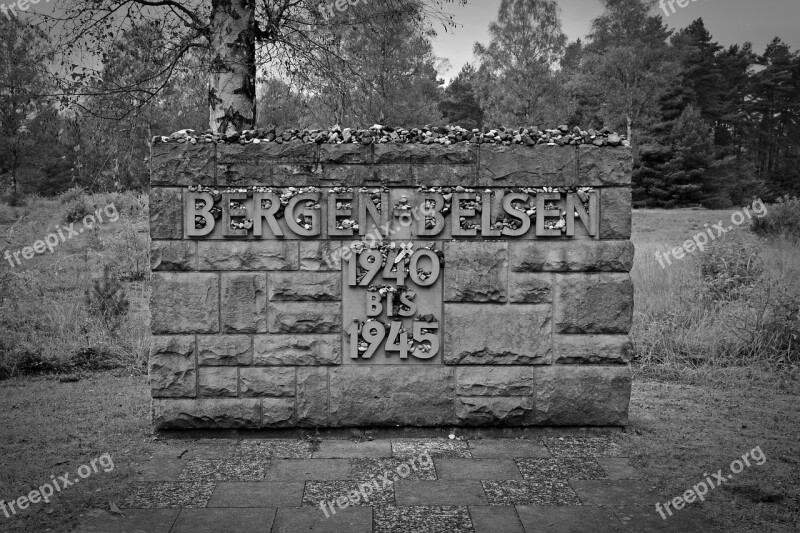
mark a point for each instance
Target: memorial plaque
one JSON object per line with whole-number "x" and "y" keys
{"x": 355, "y": 262}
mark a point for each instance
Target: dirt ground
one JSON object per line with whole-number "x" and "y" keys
{"x": 679, "y": 433}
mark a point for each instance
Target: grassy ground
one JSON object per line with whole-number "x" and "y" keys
{"x": 713, "y": 381}
{"x": 46, "y": 322}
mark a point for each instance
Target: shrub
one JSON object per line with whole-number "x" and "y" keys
{"x": 76, "y": 210}
{"x": 108, "y": 300}
{"x": 730, "y": 269}
{"x": 14, "y": 199}
{"x": 70, "y": 195}
{"x": 782, "y": 219}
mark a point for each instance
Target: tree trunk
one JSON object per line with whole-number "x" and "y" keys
{"x": 630, "y": 130}
{"x": 232, "y": 83}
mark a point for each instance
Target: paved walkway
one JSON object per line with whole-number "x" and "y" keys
{"x": 554, "y": 484}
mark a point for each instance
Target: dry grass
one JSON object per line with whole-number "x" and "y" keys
{"x": 679, "y": 433}
{"x": 728, "y": 312}
{"x": 43, "y": 313}
{"x": 52, "y": 428}
{"x": 712, "y": 379}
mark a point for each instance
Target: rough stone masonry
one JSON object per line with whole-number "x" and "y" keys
{"x": 501, "y": 295}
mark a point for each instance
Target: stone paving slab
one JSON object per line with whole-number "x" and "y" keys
{"x": 352, "y": 493}
{"x": 133, "y": 521}
{"x": 434, "y": 493}
{"x": 230, "y": 469}
{"x": 168, "y": 495}
{"x": 647, "y": 520}
{"x": 554, "y": 483}
{"x": 368, "y": 468}
{"x": 422, "y": 519}
{"x": 217, "y": 520}
{"x": 617, "y": 468}
{"x": 564, "y": 468}
{"x": 616, "y": 493}
{"x": 337, "y": 449}
{"x": 274, "y": 449}
{"x": 514, "y": 492}
{"x": 350, "y": 520}
{"x": 264, "y": 494}
{"x": 508, "y": 448}
{"x": 480, "y": 469}
{"x": 594, "y": 446}
{"x": 161, "y": 469}
{"x": 311, "y": 469}
{"x": 439, "y": 448}
{"x": 494, "y": 519}
{"x": 556, "y": 519}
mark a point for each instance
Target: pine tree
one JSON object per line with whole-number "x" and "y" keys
{"x": 460, "y": 105}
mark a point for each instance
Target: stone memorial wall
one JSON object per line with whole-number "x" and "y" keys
{"x": 311, "y": 285}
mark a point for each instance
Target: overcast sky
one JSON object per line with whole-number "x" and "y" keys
{"x": 729, "y": 21}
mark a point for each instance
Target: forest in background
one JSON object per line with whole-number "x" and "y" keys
{"x": 710, "y": 125}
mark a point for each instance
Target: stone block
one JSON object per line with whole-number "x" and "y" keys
{"x": 494, "y": 381}
{"x": 244, "y": 303}
{"x": 347, "y": 175}
{"x": 604, "y": 165}
{"x": 277, "y": 412}
{"x": 267, "y": 382}
{"x": 312, "y": 397}
{"x": 207, "y": 414}
{"x": 240, "y": 165}
{"x": 184, "y": 303}
{"x": 345, "y": 154}
{"x": 572, "y": 256}
{"x": 304, "y": 317}
{"x": 320, "y": 256}
{"x": 497, "y": 334}
{"x": 494, "y": 411}
{"x": 305, "y": 287}
{"x": 394, "y": 175}
{"x": 253, "y": 164}
{"x": 444, "y": 175}
{"x": 247, "y": 256}
{"x": 476, "y": 272}
{"x": 389, "y": 396}
{"x": 218, "y": 382}
{"x": 593, "y": 303}
{"x": 615, "y": 213}
{"x": 426, "y": 154}
{"x": 179, "y": 164}
{"x": 592, "y": 349}
{"x": 173, "y": 256}
{"x": 225, "y": 350}
{"x": 528, "y": 166}
{"x": 166, "y": 213}
{"x": 582, "y": 395}
{"x": 173, "y": 371}
{"x": 296, "y": 175}
{"x": 297, "y": 350}
{"x": 526, "y": 288}
{"x": 290, "y": 152}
